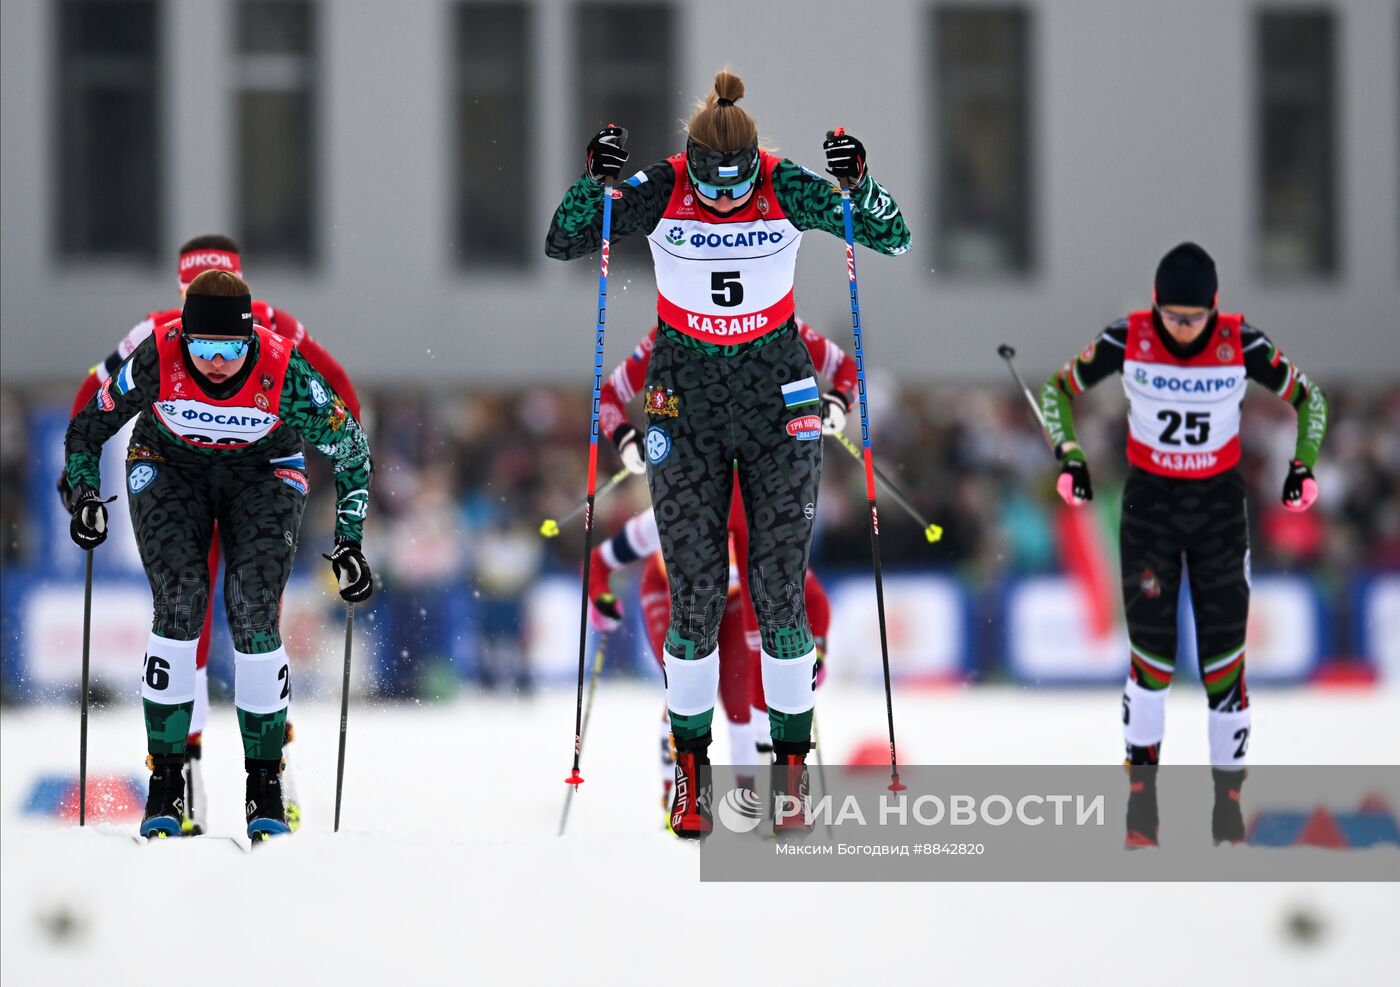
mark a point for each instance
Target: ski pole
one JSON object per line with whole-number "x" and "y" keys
{"x": 83, "y": 730}
{"x": 593, "y": 675}
{"x": 549, "y": 527}
{"x": 575, "y": 778}
{"x": 932, "y": 532}
{"x": 895, "y": 784}
{"x": 821, "y": 767}
{"x": 1008, "y": 354}
{"x": 344, "y": 711}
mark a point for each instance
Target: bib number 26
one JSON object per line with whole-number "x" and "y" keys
{"x": 726, "y": 289}
{"x": 1196, "y": 424}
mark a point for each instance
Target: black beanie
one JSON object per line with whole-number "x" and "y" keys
{"x": 1186, "y": 276}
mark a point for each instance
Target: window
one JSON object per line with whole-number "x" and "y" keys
{"x": 492, "y": 153}
{"x": 275, "y": 101}
{"x": 107, "y": 200}
{"x": 982, "y": 137}
{"x": 1296, "y": 144}
{"x": 623, "y": 69}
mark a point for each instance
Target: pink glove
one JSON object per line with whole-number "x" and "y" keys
{"x": 1299, "y": 487}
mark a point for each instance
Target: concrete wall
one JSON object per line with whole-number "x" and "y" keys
{"x": 1118, "y": 87}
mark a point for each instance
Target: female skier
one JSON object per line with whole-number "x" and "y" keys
{"x": 1184, "y": 367}
{"x": 730, "y": 382}
{"x": 213, "y": 390}
{"x": 215, "y": 252}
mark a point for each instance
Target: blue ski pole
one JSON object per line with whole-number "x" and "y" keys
{"x": 895, "y": 784}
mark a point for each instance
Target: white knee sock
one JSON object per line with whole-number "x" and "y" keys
{"x": 1229, "y": 738}
{"x": 1145, "y": 714}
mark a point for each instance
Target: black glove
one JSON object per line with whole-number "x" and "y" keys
{"x": 629, "y": 449}
{"x": 88, "y": 529}
{"x": 1073, "y": 485}
{"x": 1299, "y": 487}
{"x": 351, "y": 569}
{"x": 845, "y": 157}
{"x": 606, "y": 153}
{"x": 65, "y": 492}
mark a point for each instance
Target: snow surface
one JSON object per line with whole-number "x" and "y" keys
{"x": 447, "y": 868}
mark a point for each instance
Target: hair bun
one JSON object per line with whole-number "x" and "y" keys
{"x": 729, "y": 88}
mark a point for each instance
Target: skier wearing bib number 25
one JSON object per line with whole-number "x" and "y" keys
{"x": 224, "y": 405}
{"x": 730, "y": 385}
{"x": 1184, "y": 367}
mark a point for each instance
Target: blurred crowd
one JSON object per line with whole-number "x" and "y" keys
{"x": 464, "y": 478}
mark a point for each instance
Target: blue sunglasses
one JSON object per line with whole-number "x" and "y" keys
{"x": 736, "y": 191}
{"x": 207, "y": 349}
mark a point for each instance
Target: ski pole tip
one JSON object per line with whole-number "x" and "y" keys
{"x": 933, "y": 533}
{"x": 574, "y": 779}
{"x": 549, "y": 528}
{"x": 895, "y": 784}
{"x": 1006, "y": 352}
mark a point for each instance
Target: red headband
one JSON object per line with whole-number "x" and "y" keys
{"x": 196, "y": 262}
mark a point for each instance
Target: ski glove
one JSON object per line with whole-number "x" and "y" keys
{"x": 1073, "y": 485}
{"x": 834, "y": 408}
{"x": 1299, "y": 487}
{"x": 606, "y": 154}
{"x": 88, "y": 529}
{"x": 605, "y": 613}
{"x": 845, "y": 156}
{"x": 352, "y": 571}
{"x": 629, "y": 449}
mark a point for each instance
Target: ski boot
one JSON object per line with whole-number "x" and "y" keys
{"x": 791, "y": 798}
{"x": 195, "y": 801}
{"x": 289, "y": 782}
{"x": 1226, "y": 819}
{"x": 1142, "y": 807}
{"x": 266, "y": 815}
{"x": 693, "y": 795}
{"x": 165, "y": 803}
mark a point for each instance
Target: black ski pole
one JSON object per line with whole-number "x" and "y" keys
{"x": 593, "y": 675}
{"x": 83, "y": 731}
{"x": 1008, "y": 354}
{"x": 895, "y": 784}
{"x": 344, "y": 711}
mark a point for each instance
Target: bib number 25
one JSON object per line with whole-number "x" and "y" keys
{"x": 726, "y": 289}
{"x": 1196, "y": 426}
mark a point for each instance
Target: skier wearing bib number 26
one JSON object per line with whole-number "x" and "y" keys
{"x": 1184, "y": 367}
{"x": 730, "y": 385}
{"x": 224, "y": 405}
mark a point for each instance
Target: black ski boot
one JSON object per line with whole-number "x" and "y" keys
{"x": 193, "y": 823}
{"x": 1142, "y": 807}
{"x": 1226, "y": 819}
{"x": 165, "y": 802}
{"x": 266, "y": 815}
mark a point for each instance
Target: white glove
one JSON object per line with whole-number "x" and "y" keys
{"x": 834, "y": 409}
{"x": 629, "y": 449}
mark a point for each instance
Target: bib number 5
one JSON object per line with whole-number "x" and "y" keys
{"x": 1197, "y": 425}
{"x": 726, "y": 289}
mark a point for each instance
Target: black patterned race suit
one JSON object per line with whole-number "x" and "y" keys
{"x": 255, "y": 493}
{"x": 713, "y": 406}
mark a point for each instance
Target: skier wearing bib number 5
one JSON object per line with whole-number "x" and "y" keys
{"x": 1184, "y": 366}
{"x": 730, "y": 384}
{"x": 224, "y": 405}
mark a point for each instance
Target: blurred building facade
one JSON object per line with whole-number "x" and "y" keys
{"x": 390, "y": 168}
